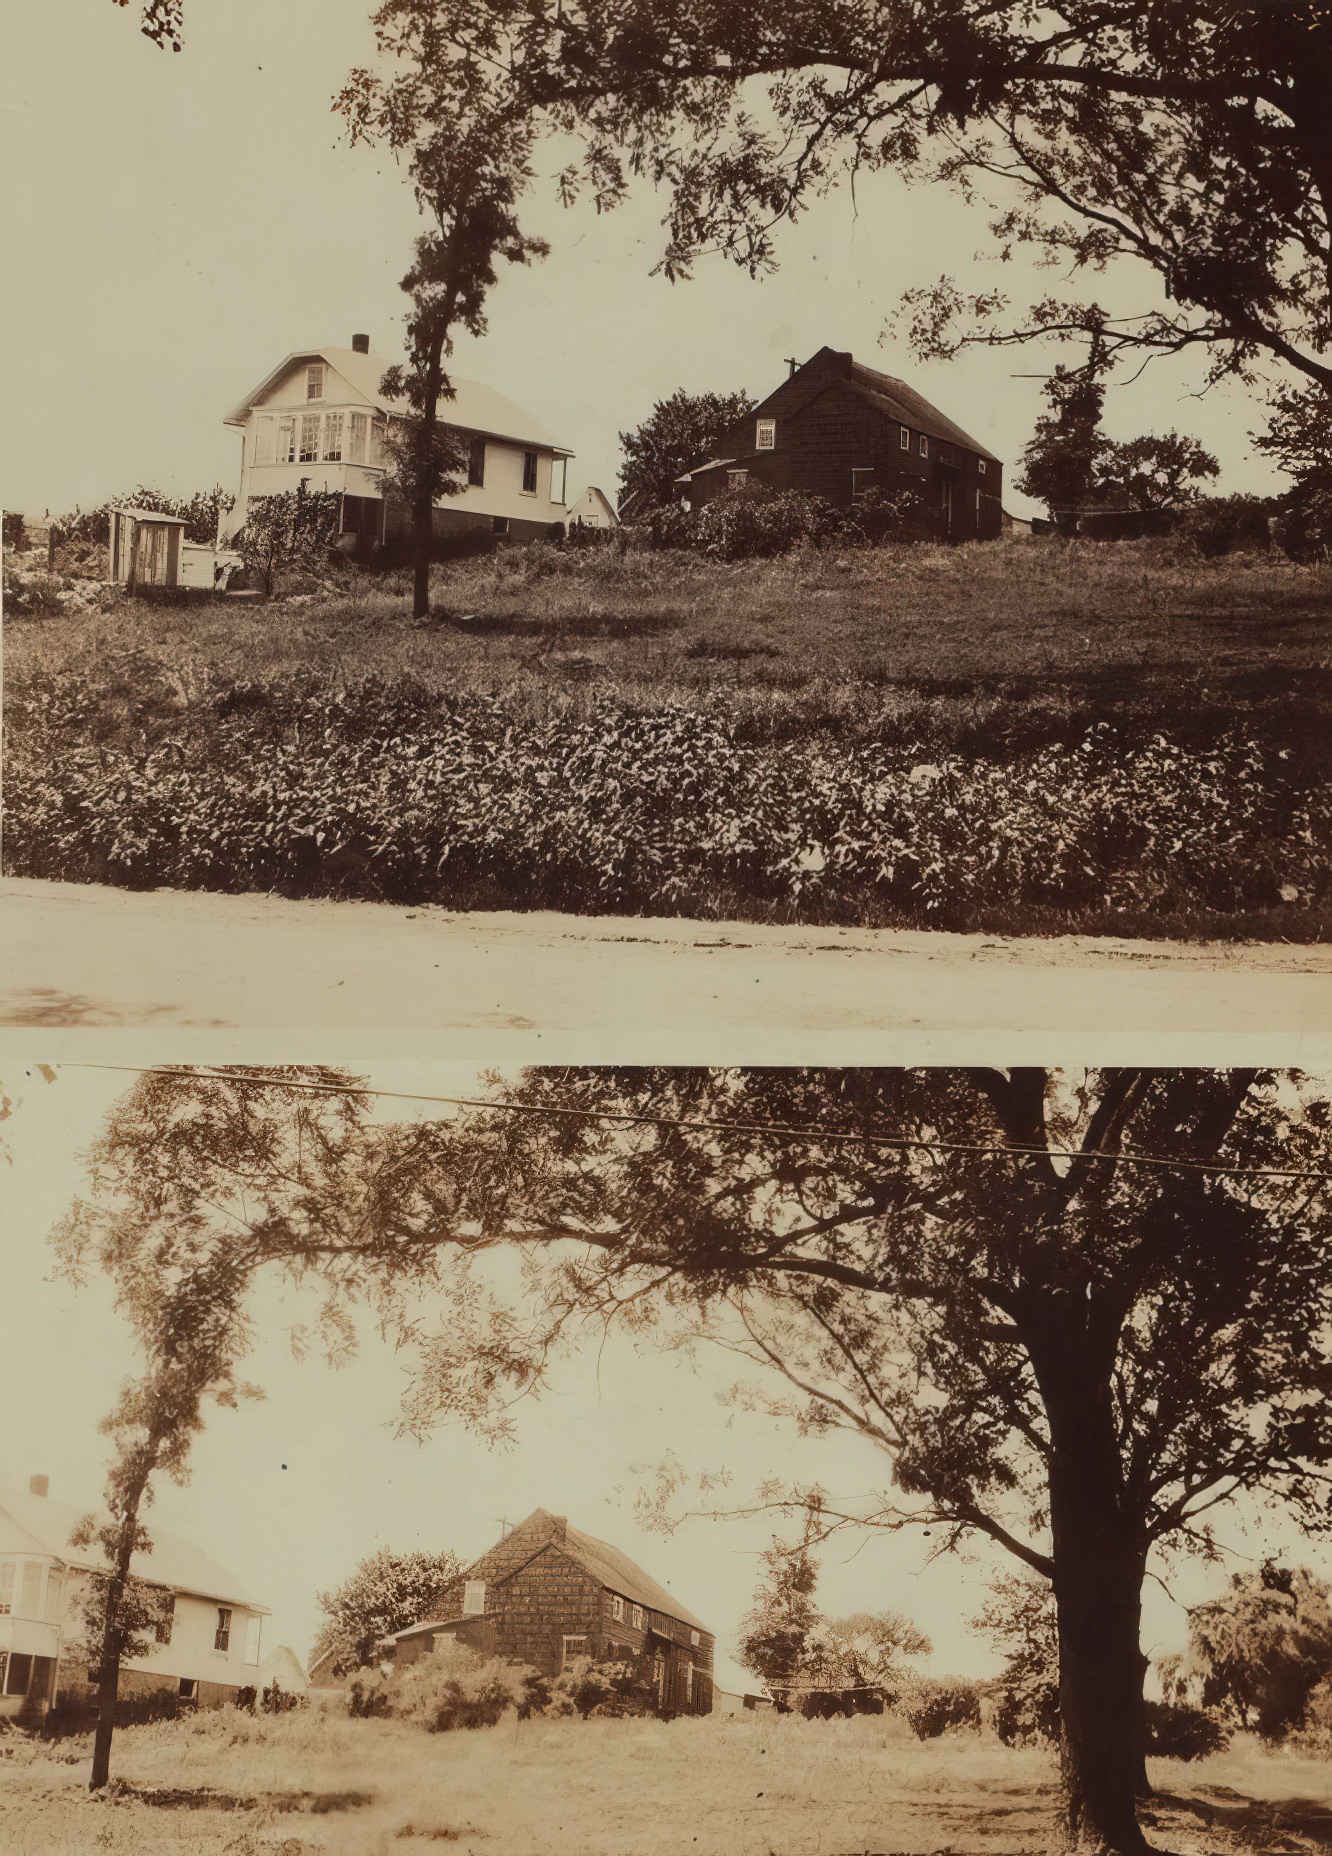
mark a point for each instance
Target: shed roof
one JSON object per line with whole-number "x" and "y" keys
{"x": 147, "y": 515}
{"x": 473, "y": 408}
{"x": 173, "y": 1562}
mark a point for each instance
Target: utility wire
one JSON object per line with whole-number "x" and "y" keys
{"x": 779, "y": 1130}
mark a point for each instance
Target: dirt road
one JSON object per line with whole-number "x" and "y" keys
{"x": 75, "y": 956}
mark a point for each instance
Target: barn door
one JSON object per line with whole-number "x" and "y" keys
{"x": 949, "y": 496}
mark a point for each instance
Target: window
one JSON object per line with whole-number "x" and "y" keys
{"x": 980, "y": 465}
{"x": 356, "y": 438}
{"x": 54, "y": 1594}
{"x": 500, "y": 525}
{"x": 529, "y": 473}
{"x": 314, "y": 382}
{"x": 693, "y": 1638}
{"x": 222, "y": 1635}
{"x": 474, "y": 1598}
{"x": 265, "y": 441}
{"x": 476, "y": 463}
{"x": 574, "y": 1647}
{"x": 906, "y": 439}
{"x": 286, "y": 441}
{"x": 30, "y": 1602}
{"x": 188, "y": 1689}
{"x": 766, "y": 437}
{"x": 689, "y": 1682}
{"x": 18, "y": 1675}
{"x": 736, "y": 479}
{"x": 924, "y": 446}
{"x": 165, "y": 1617}
{"x": 862, "y": 479}
{"x": 309, "y": 450}
{"x": 978, "y": 503}
{"x": 8, "y": 1572}
{"x": 617, "y": 1610}
{"x": 377, "y": 444}
{"x": 559, "y": 480}
{"x": 332, "y": 437}
{"x": 638, "y": 1617}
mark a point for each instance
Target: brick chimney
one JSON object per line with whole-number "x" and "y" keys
{"x": 360, "y": 344}
{"x": 39, "y": 1485}
{"x": 559, "y": 1526}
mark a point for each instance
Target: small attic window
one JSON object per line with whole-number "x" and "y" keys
{"x": 314, "y": 381}
{"x": 693, "y": 1638}
{"x": 474, "y": 1598}
{"x": 980, "y": 465}
{"x": 767, "y": 435}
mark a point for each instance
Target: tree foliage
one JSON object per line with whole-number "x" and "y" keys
{"x": 387, "y": 1592}
{"x": 681, "y": 431}
{"x": 1071, "y": 463}
{"x": 287, "y": 532}
{"x": 1259, "y": 1651}
{"x": 1077, "y": 1313}
{"x": 1021, "y": 1623}
{"x": 465, "y": 142}
{"x": 162, "y": 21}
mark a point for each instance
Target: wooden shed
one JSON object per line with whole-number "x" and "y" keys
{"x": 145, "y": 547}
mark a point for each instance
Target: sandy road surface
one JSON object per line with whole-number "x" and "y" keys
{"x": 76, "y": 956}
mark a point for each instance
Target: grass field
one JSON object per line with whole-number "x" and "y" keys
{"x": 1027, "y": 737}
{"x": 228, "y": 1785}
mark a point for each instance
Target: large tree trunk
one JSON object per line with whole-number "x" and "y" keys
{"x": 423, "y": 499}
{"x": 1099, "y": 1560}
{"x": 108, "y": 1691}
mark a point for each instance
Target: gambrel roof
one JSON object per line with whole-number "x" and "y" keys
{"x": 173, "y": 1562}
{"x": 474, "y": 408}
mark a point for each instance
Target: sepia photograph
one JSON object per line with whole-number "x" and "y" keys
{"x": 615, "y": 1460}
{"x": 611, "y": 511}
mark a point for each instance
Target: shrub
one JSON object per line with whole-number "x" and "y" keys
{"x": 933, "y": 1706}
{"x": 451, "y": 1687}
{"x": 1216, "y": 525}
{"x": 605, "y": 1689}
{"x": 1177, "y": 1731}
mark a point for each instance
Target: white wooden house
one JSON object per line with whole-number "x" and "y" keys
{"x": 208, "y": 1645}
{"x": 319, "y": 418}
{"x": 593, "y": 509}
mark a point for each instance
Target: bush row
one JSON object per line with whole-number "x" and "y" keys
{"x": 402, "y": 794}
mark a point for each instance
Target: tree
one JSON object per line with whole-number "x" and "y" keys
{"x": 1071, "y": 463}
{"x": 163, "y": 21}
{"x": 775, "y": 1640}
{"x": 465, "y": 144}
{"x": 387, "y": 1592}
{"x": 1022, "y": 1625}
{"x": 677, "y": 434}
{"x": 1061, "y": 463}
{"x": 1298, "y": 439}
{"x": 1077, "y": 1313}
{"x": 1071, "y": 1329}
{"x": 1259, "y": 1651}
{"x": 1188, "y": 138}
{"x": 287, "y": 531}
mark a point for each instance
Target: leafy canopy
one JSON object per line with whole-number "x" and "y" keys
{"x": 387, "y": 1592}
{"x": 680, "y": 432}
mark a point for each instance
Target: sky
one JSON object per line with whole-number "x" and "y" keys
{"x": 177, "y": 224}
{"x": 291, "y": 1492}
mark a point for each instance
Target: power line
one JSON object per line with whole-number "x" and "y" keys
{"x": 698, "y": 1124}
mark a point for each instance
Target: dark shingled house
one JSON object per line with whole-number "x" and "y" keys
{"x": 838, "y": 429}
{"x": 547, "y": 1594}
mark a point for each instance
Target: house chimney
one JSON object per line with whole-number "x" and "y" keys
{"x": 559, "y": 1526}
{"x": 39, "y": 1485}
{"x": 360, "y": 344}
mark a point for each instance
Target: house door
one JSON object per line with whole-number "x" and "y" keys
{"x": 150, "y": 554}
{"x": 949, "y": 496}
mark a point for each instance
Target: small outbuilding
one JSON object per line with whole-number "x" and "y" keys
{"x": 593, "y": 509}
{"x": 145, "y": 548}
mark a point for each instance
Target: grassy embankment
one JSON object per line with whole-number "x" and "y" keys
{"x": 229, "y": 1785}
{"x": 1023, "y": 738}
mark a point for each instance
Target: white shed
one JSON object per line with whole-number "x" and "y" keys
{"x": 144, "y": 547}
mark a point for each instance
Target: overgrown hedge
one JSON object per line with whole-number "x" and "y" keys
{"x": 471, "y": 801}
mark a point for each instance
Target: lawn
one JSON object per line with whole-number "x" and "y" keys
{"x": 1027, "y": 737}
{"x": 746, "y": 1785}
